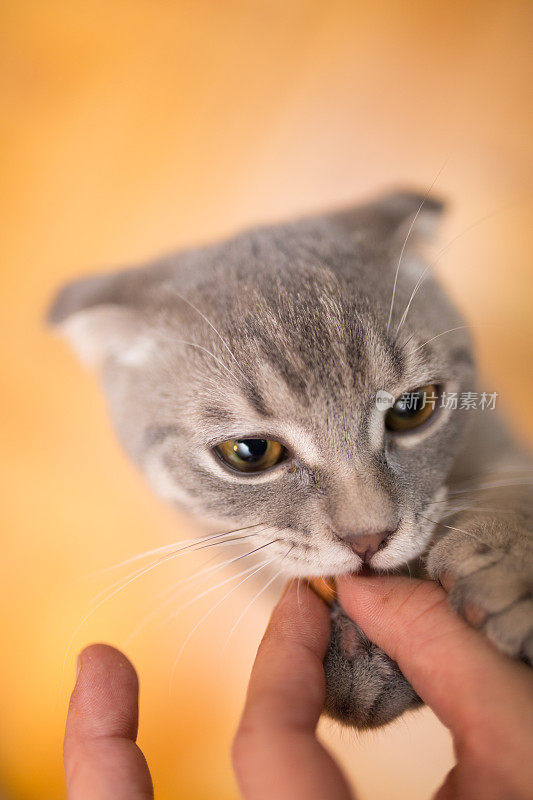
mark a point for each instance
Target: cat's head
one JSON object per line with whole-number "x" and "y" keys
{"x": 250, "y": 382}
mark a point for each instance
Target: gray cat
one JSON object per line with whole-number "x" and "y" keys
{"x": 296, "y": 384}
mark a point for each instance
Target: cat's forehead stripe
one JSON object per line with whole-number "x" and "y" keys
{"x": 256, "y": 400}
{"x": 282, "y": 364}
{"x": 218, "y": 415}
{"x": 323, "y": 352}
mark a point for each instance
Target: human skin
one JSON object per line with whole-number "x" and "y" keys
{"x": 484, "y": 698}
{"x": 102, "y": 760}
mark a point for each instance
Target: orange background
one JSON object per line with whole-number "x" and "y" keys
{"x": 131, "y": 127}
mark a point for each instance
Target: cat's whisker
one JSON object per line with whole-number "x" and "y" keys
{"x": 472, "y": 225}
{"x": 249, "y": 605}
{"x": 138, "y": 574}
{"x": 487, "y": 486}
{"x": 441, "y": 253}
{"x": 483, "y": 510}
{"x": 436, "y": 502}
{"x": 205, "y": 616}
{"x": 162, "y": 600}
{"x": 170, "y": 557}
{"x": 146, "y": 554}
{"x": 418, "y": 284}
{"x": 411, "y": 226}
{"x": 226, "y": 345}
{"x": 176, "y": 589}
{"x": 166, "y": 548}
{"x": 497, "y": 475}
{"x": 209, "y": 353}
{"x": 291, "y": 584}
{"x": 400, "y": 261}
{"x": 199, "y": 544}
{"x": 450, "y": 330}
{"x": 490, "y": 480}
{"x": 174, "y": 613}
{"x": 458, "y": 508}
{"x": 218, "y": 585}
{"x": 460, "y": 530}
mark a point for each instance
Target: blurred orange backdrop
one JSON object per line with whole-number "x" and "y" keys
{"x": 134, "y": 126}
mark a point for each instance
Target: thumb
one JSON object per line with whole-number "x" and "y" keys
{"x": 453, "y": 668}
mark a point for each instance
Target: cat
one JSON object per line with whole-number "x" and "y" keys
{"x": 293, "y": 384}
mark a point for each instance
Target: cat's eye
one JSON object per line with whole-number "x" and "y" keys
{"x": 251, "y": 455}
{"x": 412, "y": 409}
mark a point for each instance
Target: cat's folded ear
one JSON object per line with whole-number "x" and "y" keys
{"x": 394, "y": 215}
{"x": 99, "y": 318}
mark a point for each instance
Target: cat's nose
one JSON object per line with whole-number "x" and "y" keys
{"x": 367, "y": 545}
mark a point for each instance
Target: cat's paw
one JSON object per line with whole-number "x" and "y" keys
{"x": 364, "y": 687}
{"x": 489, "y": 578}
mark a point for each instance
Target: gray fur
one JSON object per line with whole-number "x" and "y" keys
{"x": 365, "y": 687}
{"x": 282, "y": 332}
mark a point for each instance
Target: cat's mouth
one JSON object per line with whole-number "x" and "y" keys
{"x": 367, "y": 570}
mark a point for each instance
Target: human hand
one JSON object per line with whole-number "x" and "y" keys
{"x": 102, "y": 761}
{"x": 484, "y": 698}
